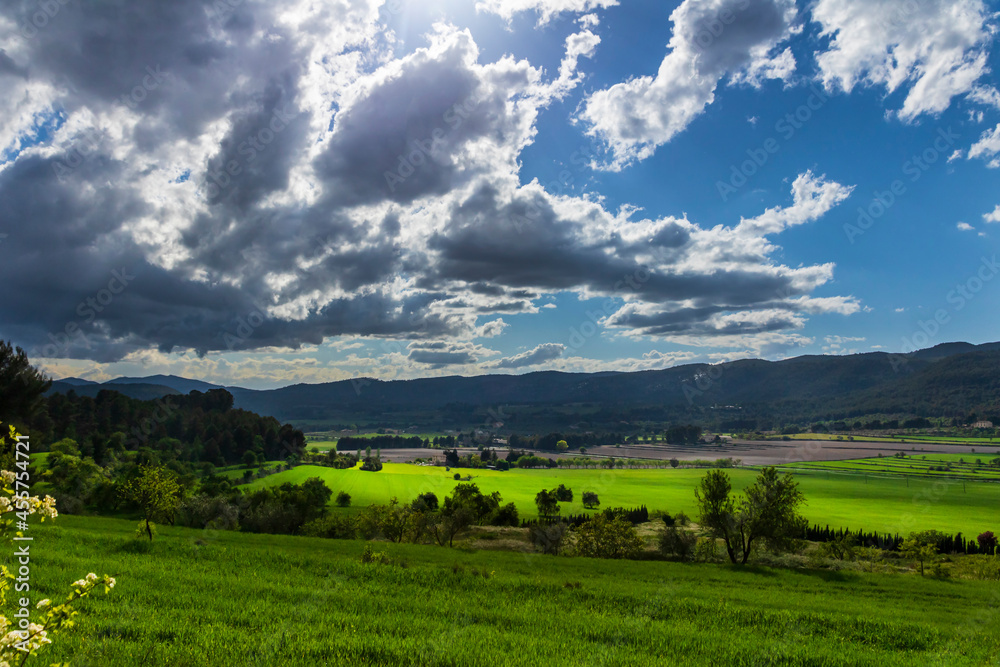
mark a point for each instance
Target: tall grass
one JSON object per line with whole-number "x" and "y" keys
{"x": 199, "y": 598}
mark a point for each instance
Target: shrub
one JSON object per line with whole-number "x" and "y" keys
{"x": 682, "y": 519}
{"x": 457, "y": 476}
{"x": 372, "y": 464}
{"x": 335, "y": 526}
{"x": 601, "y": 537}
{"x": 204, "y": 511}
{"x": 676, "y": 543}
{"x": 426, "y": 502}
{"x": 377, "y": 557}
{"x": 67, "y": 504}
{"x": 506, "y": 516}
{"x": 548, "y": 538}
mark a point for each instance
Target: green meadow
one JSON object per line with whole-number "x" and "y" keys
{"x": 195, "y": 598}
{"x": 893, "y": 504}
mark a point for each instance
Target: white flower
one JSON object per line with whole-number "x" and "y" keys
{"x": 43, "y": 603}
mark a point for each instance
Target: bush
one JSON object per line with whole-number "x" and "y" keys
{"x": 682, "y": 519}
{"x": 371, "y": 464}
{"x": 426, "y": 502}
{"x": 676, "y": 543}
{"x": 337, "y": 527}
{"x": 601, "y": 537}
{"x": 343, "y": 499}
{"x": 204, "y": 511}
{"x": 457, "y": 476}
{"x": 67, "y": 504}
{"x": 548, "y": 538}
{"x": 378, "y": 557}
{"x": 506, "y": 516}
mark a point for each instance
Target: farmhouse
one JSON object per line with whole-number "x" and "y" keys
{"x": 983, "y": 424}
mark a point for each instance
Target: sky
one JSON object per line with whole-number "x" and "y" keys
{"x": 260, "y": 193}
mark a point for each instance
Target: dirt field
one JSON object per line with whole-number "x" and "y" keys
{"x": 750, "y": 452}
{"x": 773, "y": 453}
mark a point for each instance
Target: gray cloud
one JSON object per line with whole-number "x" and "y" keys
{"x": 539, "y": 355}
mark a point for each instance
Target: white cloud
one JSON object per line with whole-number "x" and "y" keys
{"x": 710, "y": 39}
{"x": 541, "y": 354}
{"x": 985, "y": 95}
{"x": 965, "y": 227}
{"x": 935, "y": 47}
{"x": 546, "y": 9}
{"x": 993, "y": 216}
{"x": 813, "y": 197}
{"x": 987, "y": 148}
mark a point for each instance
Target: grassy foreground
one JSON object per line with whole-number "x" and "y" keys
{"x": 883, "y": 504}
{"x": 206, "y": 598}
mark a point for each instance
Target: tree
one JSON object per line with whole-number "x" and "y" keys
{"x": 156, "y": 492}
{"x": 987, "y": 542}
{"x": 548, "y": 537}
{"x": 590, "y": 500}
{"x": 506, "y": 516}
{"x": 563, "y": 494}
{"x": 547, "y": 503}
{"x": 674, "y": 463}
{"x": 562, "y": 446}
{"x": 481, "y": 506}
{"x": 426, "y": 502}
{"x": 604, "y": 537}
{"x": 767, "y": 512}
{"x": 449, "y": 522}
{"x": 249, "y": 459}
{"x": 21, "y": 386}
{"x": 343, "y": 499}
{"x": 921, "y": 547}
{"x": 677, "y": 543}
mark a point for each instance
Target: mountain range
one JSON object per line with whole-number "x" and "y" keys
{"x": 950, "y": 379}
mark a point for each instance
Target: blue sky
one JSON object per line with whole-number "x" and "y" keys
{"x": 602, "y": 186}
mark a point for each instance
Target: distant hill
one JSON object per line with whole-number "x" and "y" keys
{"x": 183, "y": 385}
{"x": 77, "y": 382}
{"x": 140, "y": 390}
{"x": 950, "y": 379}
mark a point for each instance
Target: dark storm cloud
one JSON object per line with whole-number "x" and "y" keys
{"x": 399, "y": 141}
{"x": 526, "y": 243}
{"x": 101, "y": 51}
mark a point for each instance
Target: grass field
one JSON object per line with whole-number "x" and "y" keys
{"x": 882, "y": 504}
{"x": 222, "y": 598}
{"x": 961, "y": 466}
{"x": 947, "y": 440}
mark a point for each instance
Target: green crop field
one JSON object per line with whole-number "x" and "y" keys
{"x": 197, "y": 598}
{"x": 970, "y": 467}
{"x": 930, "y": 439}
{"x": 881, "y": 504}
